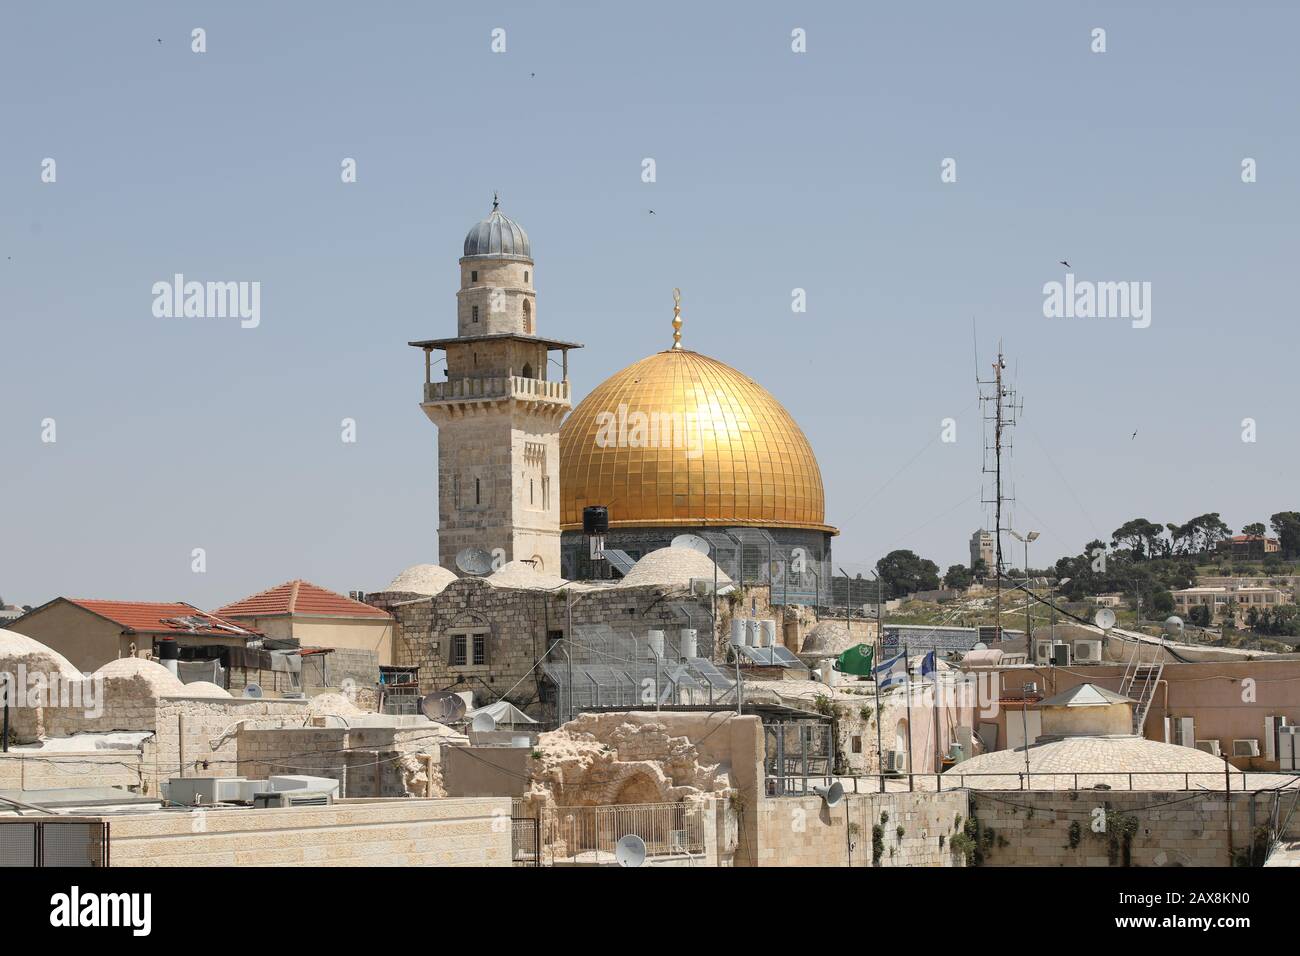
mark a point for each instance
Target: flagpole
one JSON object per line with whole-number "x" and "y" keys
{"x": 875, "y": 679}
{"x": 938, "y": 711}
{"x": 907, "y": 674}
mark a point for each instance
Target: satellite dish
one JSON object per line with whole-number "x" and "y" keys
{"x": 442, "y": 707}
{"x": 474, "y": 561}
{"x": 832, "y": 796}
{"x": 692, "y": 542}
{"x": 483, "y": 723}
{"x": 253, "y": 691}
{"x": 630, "y": 851}
{"x": 980, "y": 646}
{"x": 1104, "y": 618}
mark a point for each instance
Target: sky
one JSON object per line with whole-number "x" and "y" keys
{"x": 775, "y": 170}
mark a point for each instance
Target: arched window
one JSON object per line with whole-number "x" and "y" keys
{"x": 528, "y": 370}
{"x": 528, "y": 317}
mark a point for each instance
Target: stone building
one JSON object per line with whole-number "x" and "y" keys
{"x": 498, "y": 412}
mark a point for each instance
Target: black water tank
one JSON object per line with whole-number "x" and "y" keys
{"x": 595, "y": 520}
{"x": 166, "y": 648}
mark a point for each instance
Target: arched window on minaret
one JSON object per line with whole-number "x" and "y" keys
{"x": 528, "y": 370}
{"x": 528, "y": 317}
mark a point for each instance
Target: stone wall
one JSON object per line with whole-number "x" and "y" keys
{"x": 1143, "y": 828}
{"x": 349, "y": 833}
{"x": 366, "y": 761}
{"x": 188, "y": 726}
{"x": 521, "y": 623}
{"x": 803, "y": 831}
{"x": 28, "y": 770}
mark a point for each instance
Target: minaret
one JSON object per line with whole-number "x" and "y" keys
{"x": 499, "y": 409}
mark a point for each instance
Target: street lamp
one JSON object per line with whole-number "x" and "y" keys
{"x": 1026, "y": 539}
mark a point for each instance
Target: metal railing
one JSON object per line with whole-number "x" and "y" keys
{"x": 1170, "y": 780}
{"x": 26, "y": 842}
{"x": 592, "y": 833}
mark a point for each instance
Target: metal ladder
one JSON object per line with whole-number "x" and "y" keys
{"x": 1141, "y": 678}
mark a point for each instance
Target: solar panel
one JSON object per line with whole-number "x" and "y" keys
{"x": 621, "y": 561}
{"x": 710, "y": 674}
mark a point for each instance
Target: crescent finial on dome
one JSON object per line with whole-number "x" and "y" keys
{"x": 677, "y": 318}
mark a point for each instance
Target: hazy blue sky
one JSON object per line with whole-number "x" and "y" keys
{"x": 776, "y": 170}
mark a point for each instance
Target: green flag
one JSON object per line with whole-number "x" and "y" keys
{"x": 856, "y": 660}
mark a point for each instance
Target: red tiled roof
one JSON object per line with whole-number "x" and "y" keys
{"x": 159, "y": 617}
{"x": 300, "y": 597}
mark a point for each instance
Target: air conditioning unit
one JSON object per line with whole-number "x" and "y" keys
{"x": 1272, "y": 727}
{"x": 292, "y": 798}
{"x": 1043, "y": 652}
{"x": 895, "y": 761}
{"x": 1210, "y": 747}
{"x": 1061, "y": 655}
{"x": 1245, "y": 748}
{"x": 204, "y": 791}
{"x": 1288, "y": 750}
{"x": 1184, "y": 731}
{"x": 1087, "y": 652}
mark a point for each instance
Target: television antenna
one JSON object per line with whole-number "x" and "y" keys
{"x": 443, "y": 707}
{"x": 474, "y": 561}
{"x": 692, "y": 542}
{"x": 630, "y": 851}
{"x": 1001, "y": 411}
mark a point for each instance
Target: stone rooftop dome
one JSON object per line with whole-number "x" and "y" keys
{"x": 521, "y": 574}
{"x": 1106, "y": 760}
{"x": 673, "y": 567}
{"x": 18, "y": 648}
{"x": 161, "y": 681}
{"x": 427, "y": 579}
{"x": 497, "y": 237}
{"x": 828, "y": 639}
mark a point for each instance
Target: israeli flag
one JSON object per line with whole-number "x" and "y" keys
{"x": 892, "y": 672}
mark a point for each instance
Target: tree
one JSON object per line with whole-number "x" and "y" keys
{"x": 904, "y": 572}
{"x": 1140, "y": 536}
{"x": 1254, "y": 529}
{"x": 1199, "y": 615}
{"x": 1286, "y": 525}
{"x": 958, "y": 576}
{"x": 1162, "y": 602}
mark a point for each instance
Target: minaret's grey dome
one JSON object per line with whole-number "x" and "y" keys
{"x": 497, "y": 237}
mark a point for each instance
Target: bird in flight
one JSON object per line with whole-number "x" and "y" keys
{"x": 160, "y": 39}
{"x": 1066, "y": 264}
{"x": 652, "y": 212}
{"x": 1134, "y": 435}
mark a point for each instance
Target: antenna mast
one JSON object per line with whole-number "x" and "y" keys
{"x": 1001, "y": 409}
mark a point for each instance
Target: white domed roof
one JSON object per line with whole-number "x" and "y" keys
{"x": 1095, "y": 760}
{"x": 428, "y": 579}
{"x": 203, "y": 688}
{"x": 828, "y": 639}
{"x": 15, "y": 648}
{"x": 521, "y": 574}
{"x": 673, "y": 567}
{"x": 160, "y": 680}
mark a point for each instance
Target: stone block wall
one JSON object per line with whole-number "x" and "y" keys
{"x": 466, "y": 832}
{"x": 367, "y": 762}
{"x": 803, "y": 831}
{"x": 187, "y": 727}
{"x": 519, "y": 621}
{"x": 26, "y": 770}
{"x": 1143, "y": 828}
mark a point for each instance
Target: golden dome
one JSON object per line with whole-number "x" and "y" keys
{"x": 679, "y": 439}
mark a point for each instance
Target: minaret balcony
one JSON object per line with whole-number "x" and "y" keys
{"x": 497, "y": 388}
